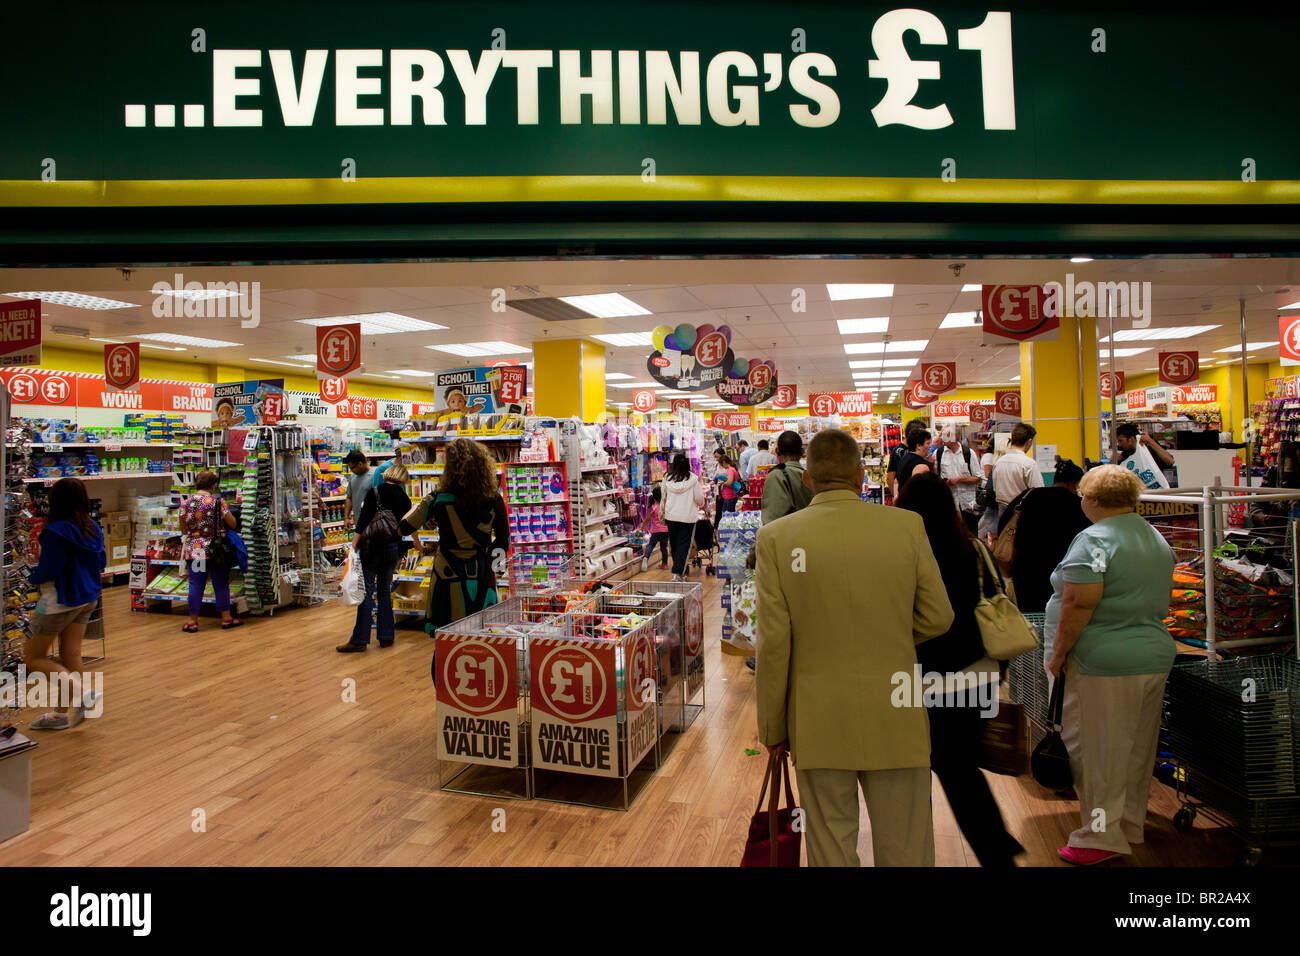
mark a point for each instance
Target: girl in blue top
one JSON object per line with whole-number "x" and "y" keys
{"x": 68, "y": 574}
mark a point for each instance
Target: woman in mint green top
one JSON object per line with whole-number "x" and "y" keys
{"x": 1106, "y": 636}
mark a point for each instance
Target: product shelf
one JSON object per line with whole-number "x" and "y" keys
{"x": 614, "y": 543}
{"x": 603, "y": 519}
{"x": 103, "y": 477}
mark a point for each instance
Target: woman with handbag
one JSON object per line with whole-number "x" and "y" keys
{"x": 732, "y": 485}
{"x": 958, "y": 658}
{"x": 204, "y": 520}
{"x": 379, "y": 533}
{"x": 1106, "y": 633}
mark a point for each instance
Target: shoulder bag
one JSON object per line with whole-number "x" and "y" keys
{"x": 221, "y": 553}
{"x": 1004, "y": 548}
{"x": 773, "y": 839}
{"x": 1003, "y": 629}
{"x": 1050, "y": 763}
{"x": 381, "y": 530}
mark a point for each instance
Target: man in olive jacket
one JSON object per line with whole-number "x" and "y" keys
{"x": 846, "y": 590}
{"x": 784, "y": 491}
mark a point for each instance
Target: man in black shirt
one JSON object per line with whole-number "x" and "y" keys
{"x": 898, "y": 451}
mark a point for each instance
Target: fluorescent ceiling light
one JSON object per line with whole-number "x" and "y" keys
{"x": 1293, "y": 305}
{"x": 899, "y": 362}
{"x": 839, "y": 292}
{"x": 1015, "y": 378}
{"x": 615, "y": 376}
{"x": 608, "y": 305}
{"x": 377, "y": 323}
{"x": 162, "y": 348}
{"x": 626, "y": 339}
{"x": 75, "y": 300}
{"x": 377, "y": 375}
{"x": 1125, "y": 353}
{"x": 1147, "y": 335}
{"x": 109, "y": 341}
{"x": 1080, "y": 260}
{"x": 475, "y": 349}
{"x": 632, "y": 384}
{"x": 413, "y": 372}
{"x": 909, "y": 345}
{"x": 1250, "y": 347}
{"x": 972, "y": 287}
{"x": 863, "y": 326}
{"x": 960, "y": 320}
{"x": 277, "y": 362}
{"x": 175, "y": 339}
{"x": 196, "y": 295}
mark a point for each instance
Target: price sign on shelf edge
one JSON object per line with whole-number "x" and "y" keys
{"x": 338, "y": 350}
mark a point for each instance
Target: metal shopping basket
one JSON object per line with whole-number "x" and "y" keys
{"x": 1233, "y": 733}
{"x": 1027, "y": 683}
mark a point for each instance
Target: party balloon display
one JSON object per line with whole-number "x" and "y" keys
{"x": 685, "y": 335}
{"x": 659, "y": 334}
{"x": 694, "y": 358}
{"x": 670, "y": 342}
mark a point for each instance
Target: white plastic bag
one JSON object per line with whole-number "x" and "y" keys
{"x": 1143, "y": 464}
{"x": 352, "y": 589}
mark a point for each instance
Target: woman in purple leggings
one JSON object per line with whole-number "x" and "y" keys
{"x": 200, "y": 516}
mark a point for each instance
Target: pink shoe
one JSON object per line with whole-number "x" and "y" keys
{"x": 1083, "y": 856}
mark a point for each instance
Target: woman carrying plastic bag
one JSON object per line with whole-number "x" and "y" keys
{"x": 352, "y": 588}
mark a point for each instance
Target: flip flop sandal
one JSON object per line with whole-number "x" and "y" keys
{"x": 190, "y": 628}
{"x": 227, "y": 625}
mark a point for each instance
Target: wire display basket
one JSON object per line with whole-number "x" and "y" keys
{"x": 1027, "y": 682}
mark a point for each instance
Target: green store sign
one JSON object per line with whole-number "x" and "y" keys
{"x": 385, "y": 101}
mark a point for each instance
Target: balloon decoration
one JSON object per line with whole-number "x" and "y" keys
{"x": 694, "y": 359}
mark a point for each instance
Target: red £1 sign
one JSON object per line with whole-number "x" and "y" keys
{"x": 711, "y": 349}
{"x": 122, "y": 366}
{"x": 1288, "y": 327}
{"x": 333, "y": 390}
{"x": 939, "y": 377}
{"x": 338, "y": 350}
{"x": 644, "y": 401}
{"x": 1179, "y": 368}
{"x": 1008, "y": 404}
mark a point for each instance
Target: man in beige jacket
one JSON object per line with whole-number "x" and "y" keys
{"x": 845, "y": 592}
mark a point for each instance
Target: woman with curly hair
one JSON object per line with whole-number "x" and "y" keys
{"x": 473, "y": 534}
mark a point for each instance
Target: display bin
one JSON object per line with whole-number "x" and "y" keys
{"x": 592, "y": 726}
{"x": 539, "y": 571}
{"x": 691, "y": 610}
{"x": 664, "y": 612}
{"x": 15, "y": 786}
{"x": 481, "y": 662}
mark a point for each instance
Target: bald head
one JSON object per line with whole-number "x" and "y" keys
{"x": 834, "y": 461}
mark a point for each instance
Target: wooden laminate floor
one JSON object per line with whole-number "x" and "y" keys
{"x": 247, "y": 733}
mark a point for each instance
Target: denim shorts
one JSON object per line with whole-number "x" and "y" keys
{"x": 55, "y": 623}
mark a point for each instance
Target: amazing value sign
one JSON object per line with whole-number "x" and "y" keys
{"x": 730, "y": 421}
{"x": 574, "y": 695}
{"x": 478, "y": 699}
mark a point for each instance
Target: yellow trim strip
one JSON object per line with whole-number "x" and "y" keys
{"x": 522, "y": 189}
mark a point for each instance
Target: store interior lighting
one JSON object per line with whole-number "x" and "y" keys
{"x": 190, "y": 340}
{"x": 75, "y": 300}
{"x": 844, "y": 291}
{"x": 377, "y": 323}
{"x": 607, "y": 305}
{"x": 479, "y": 349}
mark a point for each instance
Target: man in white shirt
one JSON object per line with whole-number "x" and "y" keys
{"x": 746, "y": 452}
{"x": 958, "y": 467}
{"x": 760, "y": 458}
{"x": 1016, "y": 471}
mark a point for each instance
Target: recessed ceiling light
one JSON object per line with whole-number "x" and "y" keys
{"x": 197, "y": 295}
{"x": 1015, "y": 378}
{"x": 377, "y": 323}
{"x": 607, "y": 305}
{"x": 476, "y": 349}
{"x": 187, "y": 340}
{"x": 277, "y": 362}
{"x": 109, "y": 341}
{"x": 909, "y": 345}
{"x": 615, "y": 376}
{"x": 841, "y": 291}
{"x": 412, "y": 372}
{"x": 626, "y": 339}
{"x": 863, "y": 326}
{"x": 162, "y": 348}
{"x": 75, "y": 300}
{"x": 1293, "y": 305}
{"x": 1147, "y": 335}
{"x": 972, "y": 287}
{"x": 632, "y": 384}
{"x": 960, "y": 320}
{"x": 1125, "y": 353}
{"x": 377, "y": 375}
{"x": 1250, "y": 347}
{"x": 1080, "y": 260}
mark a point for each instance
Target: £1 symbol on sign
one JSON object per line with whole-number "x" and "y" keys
{"x": 338, "y": 350}
{"x": 760, "y": 376}
{"x": 122, "y": 365}
{"x": 711, "y": 349}
{"x": 333, "y": 389}
{"x": 644, "y": 401}
{"x": 822, "y": 405}
{"x": 55, "y": 390}
{"x": 23, "y": 387}
{"x": 939, "y": 377}
{"x": 474, "y": 676}
{"x": 1179, "y": 368}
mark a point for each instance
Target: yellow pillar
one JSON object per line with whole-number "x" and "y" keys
{"x": 1049, "y": 389}
{"x": 569, "y": 378}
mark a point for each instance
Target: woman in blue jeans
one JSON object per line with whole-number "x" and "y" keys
{"x": 379, "y": 563}
{"x": 203, "y": 514}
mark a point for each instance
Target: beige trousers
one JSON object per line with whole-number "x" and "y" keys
{"x": 898, "y": 804}
{"x": 1111, "y": 727}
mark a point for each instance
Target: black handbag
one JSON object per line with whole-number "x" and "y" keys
{"x": 221, "y": 553}
{"x": 381, "y": 530}
{"x": 1050, "y": 763}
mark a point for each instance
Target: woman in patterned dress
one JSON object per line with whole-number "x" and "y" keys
{"x": 473, "y": 534}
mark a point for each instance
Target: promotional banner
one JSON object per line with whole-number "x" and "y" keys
{"x": 1288, "y": 334}
{"x": 787, "y": 396}
{"x": 963, "y": 409}
{"x": 478, "y": 390}
{"x": 241, "y": 404}
{"x": 1007, "y": 404}
{"x": 772, "y": 426}
{"x": 122, "y": 366}
{"x": 478, "y": 700}
{"x": 356, "y": 407}
{"x": 729, "y": 421}
{"x": 918, "y": 396}
{"x": 979, "y": 413}
{"x": 822, "y": 404}
{"x": 1194, "y": 395}
{"x": 751, "y": 388}
{"x": 300, "y": 404}
{"x": 641, "y": 695}
{"x": 574, "y": 695}
{"x": 333, "y": 389}
{"x": 1179, "y": 368}
{"x": 338, "y": 350}
{"x": 643, "y": 401}
{"x": 692, "y": 359}
{"x": 939, "y": 377}
{"x": 1112, "y": 384}
{"x": 393, "y": 410}
{"x": 36, "y": 386}
{"x": 681, "y": 406}
{"x": 20, "y": 333}
{"x": 1016, "y": 313}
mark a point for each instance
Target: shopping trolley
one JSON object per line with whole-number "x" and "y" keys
{"x": 704, "y": 547}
